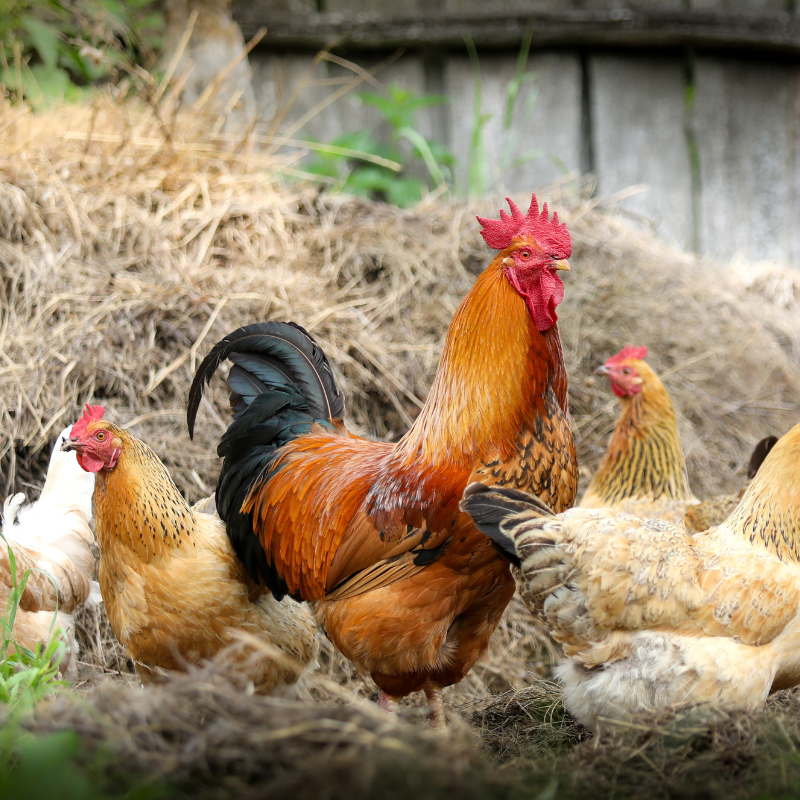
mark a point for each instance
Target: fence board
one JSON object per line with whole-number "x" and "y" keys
{"x": 743, "y": 120}
{"x": 639, "y": 137}
{"x": 546, "y": 119}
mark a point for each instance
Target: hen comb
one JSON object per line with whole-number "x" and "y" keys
{"x": 551, "y": 236}
{"x": 629, "y": 351}
{"x": 90, "y": 414}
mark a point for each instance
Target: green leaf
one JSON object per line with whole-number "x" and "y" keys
{"x": 421, "y": 145}
{"x": 46, "y": 84}
{"x": 405, "y": 192}
{"x": 44, "y": 38}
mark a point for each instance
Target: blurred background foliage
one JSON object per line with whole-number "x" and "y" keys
{"x": 420, "y": 163}
{"x": 59, "y": 49}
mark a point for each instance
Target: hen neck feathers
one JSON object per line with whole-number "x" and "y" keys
{"x": 644, "y": 459}
{"x": 138, "y": 506}
{"x": 769, "y": 512}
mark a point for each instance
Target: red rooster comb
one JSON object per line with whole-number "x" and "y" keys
{"x": 551, "y": 236}
{"x": 629, "y": 351}
{"x": 90, "y": 414}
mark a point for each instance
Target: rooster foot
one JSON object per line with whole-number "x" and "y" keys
{"x": 435, "y": 708}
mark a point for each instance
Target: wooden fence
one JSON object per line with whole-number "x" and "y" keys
{"x": 697, "y": 100}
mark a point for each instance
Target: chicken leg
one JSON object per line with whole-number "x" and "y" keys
{"x": 435, "y": 707}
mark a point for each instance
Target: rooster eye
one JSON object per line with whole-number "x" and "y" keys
{"x": 626, "y": 371}
{"x": 525, "y": 253}
{"x": 100, "y": 435}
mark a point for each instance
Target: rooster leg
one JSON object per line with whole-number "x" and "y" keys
{"x": 435, "y": 707}
{"x": 386, "y": 703}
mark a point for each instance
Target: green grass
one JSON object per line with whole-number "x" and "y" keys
{"x": 39, "y": 766}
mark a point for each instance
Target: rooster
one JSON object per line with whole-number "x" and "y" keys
{"x": 370, "y": 532}
{"x": 643, "y": 470}
{"x": 51, "y": 542}
{"x": 651, "y": 617}
{"x": 174, "y": 590}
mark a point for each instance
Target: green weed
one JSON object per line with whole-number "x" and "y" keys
{"x": 58, "y": 49}
{"x": 406, "y": 153}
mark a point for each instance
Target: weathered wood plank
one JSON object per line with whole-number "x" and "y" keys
{"x": 639, "y": 138}
{"x": 647, "y": 26}
{"x": 741, "y": 6}
{"x": 542, "y": 135}
{"x": 744, "y": 114}
{"x": 277, "y": 77}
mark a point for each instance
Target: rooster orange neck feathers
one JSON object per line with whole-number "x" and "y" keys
{"x": 492, "y": 378}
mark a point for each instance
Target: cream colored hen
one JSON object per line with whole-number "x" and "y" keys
{"x": 51, "y": 541}
{"x": 651, "y": 617}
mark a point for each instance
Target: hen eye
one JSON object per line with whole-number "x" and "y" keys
{"x": 626, "y": 371}
{"x": 525, "y": 253}
{"x": 100, "y": 435}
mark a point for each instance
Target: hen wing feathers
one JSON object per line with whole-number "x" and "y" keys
{"x": 51, "y": 537}
{"x": 594, "y": 575}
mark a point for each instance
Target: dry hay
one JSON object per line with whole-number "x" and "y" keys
{"x": 205, "y": 737}
{"x": 123, "y": 259}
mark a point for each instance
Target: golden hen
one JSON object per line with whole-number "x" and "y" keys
{"x": 643, "y": 470}
{"x": 174, "y": 589}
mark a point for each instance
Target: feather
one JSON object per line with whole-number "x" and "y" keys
{"x": 760, "y": 452}
{"x": 275, "y": 355}
{"x": 489, "y": 508}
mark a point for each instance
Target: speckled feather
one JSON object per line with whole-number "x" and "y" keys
{"x": 644, "y": 460}
{"x": 174, "y": 590}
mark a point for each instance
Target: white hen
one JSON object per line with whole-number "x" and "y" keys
{"x": 51, "y": 538}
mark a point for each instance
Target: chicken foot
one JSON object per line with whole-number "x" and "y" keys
{"x": 435, "y": 707}
{"x": 387, "y": 703}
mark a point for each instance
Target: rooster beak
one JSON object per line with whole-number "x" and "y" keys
{"x": 563, "y": 264}
{"x": 604, "y": 370}
{"x": 69, "y": 444}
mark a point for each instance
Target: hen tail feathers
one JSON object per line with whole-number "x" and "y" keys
{"x": 760, "y": 452}
{"x": 491, "y": 508}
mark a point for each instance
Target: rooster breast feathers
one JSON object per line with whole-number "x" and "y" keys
{"x": 596, "y": 577}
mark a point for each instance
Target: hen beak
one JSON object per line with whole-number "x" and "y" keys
{"x": 563, "y": 264}
{"x": 69, "y": 444}
{"x": 603, "y": 370}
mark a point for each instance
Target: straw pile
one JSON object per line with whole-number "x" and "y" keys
{"x": 124, "y": 257}
{"x": 129, "y": 245}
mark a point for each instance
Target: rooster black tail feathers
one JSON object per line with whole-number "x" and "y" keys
{"x": 281, "y": 384}
{"x": 270, "y": 356}
{"x": 490, "y": 507}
